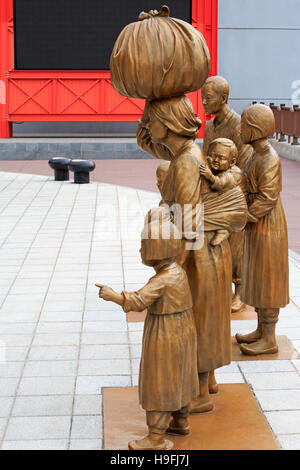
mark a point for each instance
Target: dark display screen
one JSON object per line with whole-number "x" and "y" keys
{"x": 77, "y": 34}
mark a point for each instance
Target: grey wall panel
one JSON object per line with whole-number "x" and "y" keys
{"x": 259, "y": 14}
{"x": 259, "y": 64}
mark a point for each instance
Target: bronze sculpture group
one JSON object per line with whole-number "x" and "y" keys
{"x": 235, "y": 180}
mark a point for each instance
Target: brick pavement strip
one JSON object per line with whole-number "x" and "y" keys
{"x": 60, "y": 344}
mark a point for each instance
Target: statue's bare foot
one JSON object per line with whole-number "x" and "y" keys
{"x": 262, "y": 346}
{"x": 179, "y": 426}
{"x": 148, "y": 443}
{"x": 212, "y": 383}
{"x": 249, "y": 338}
{"x": 220, "y": 236}
{"x": 237, "y": 304}
{"x": 201, "y": 405}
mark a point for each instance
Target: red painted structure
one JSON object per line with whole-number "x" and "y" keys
{"x": 78, "y": 95}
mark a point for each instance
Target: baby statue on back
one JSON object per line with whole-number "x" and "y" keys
{"x": 223, "y": 174}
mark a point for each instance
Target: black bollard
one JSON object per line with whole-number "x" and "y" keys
{"x": 60, "y": 165}
{"x": 82, "y": 169}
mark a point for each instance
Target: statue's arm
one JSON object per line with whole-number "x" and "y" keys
{"x": 144, "y": 141}
{"x": 144, "y": 297}
{"x": 268, "y": 189}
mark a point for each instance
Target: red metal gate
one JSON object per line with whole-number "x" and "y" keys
{"x": 58, "y": 96}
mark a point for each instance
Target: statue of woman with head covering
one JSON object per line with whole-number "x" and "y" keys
{"x": 168, "y": 130}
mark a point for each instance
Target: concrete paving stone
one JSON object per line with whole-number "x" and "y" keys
{"x": 135, "y": 380}
{"x": 43, "y": 405}
{"x": 5, "y": 406}
{"x": 18, "y": 299}
{"x": 60, "y": 290}
{"x": 53, "y": 353}
{"x": 63, "y": 339}
{"x": 266, "y": 366}
{"x": 274, "y": 380}
{"x": 8, "y": 386}
{"x": 104, "y": 351}
{"x": 296, "y": 344}
{"x": 12, "y": 354}
{"x": 289, "y": 441}
{"x": 61, "y": 316}
{"x": 104, "y": 367}
{"x": 29, "y": 283}
{"x": 70, "y": 260}
{"x": 272, "y": 400}
{"x": 101, "y": 326}
{"x": 5, "y": 285}
{"x": 135, "y": 351}
{"x": 39, "y": 291}
{"x": 38, "y": 428}
{"x": 74, "y": 306}
{"x": 135, "y": 337}
{"x": 7, "y": 276}
{"x": 86, "y": 444}
{"x": 46, "y": 386}
{"x": 35, "y": 270}
{"x": 296, "y": 363}
{"x": 46, "y": 444}
{"x": 286, "y": 326}
{"x": 12, "y": 263}
{"x": 296, "y": 300}
{"x": 50, "y": 368}
{"x": 295, "y": 292}
{"x": 107, "y": 337}
{"x": 229, "y": 369}
{"x": 105, "y": 316}
{"x": 11, "y": 369}
{"x": 15, "y": 340}
{"x": 135, "y": 366}
{"x": 58, "y": 327}
{"x": 23, "y": 318}
{"x": 70, "y": 276}
{"x": 237, "y": 325}
{"x": 27, "y": 275}
{"x": 284, "y": 422}
{"x": 229, "y": 378}
{"x": 89, "y": 427}
{"x": 3, "y": 422}
{"x": 21, "y": 308}
{"x": 17, "y": 328}
{"x": 93, "y": 384}
{"x": 87, "y": 405}
{"x": 70, "y": 268}
{"x": 135, "y": 326}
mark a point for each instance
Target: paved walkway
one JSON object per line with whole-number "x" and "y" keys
{"x": 60, "y": 344}
{"x": 140, "y": 174}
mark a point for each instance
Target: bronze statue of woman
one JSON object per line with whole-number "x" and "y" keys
{"x": 168, "y": 130}
{"x": 265, "y": 276}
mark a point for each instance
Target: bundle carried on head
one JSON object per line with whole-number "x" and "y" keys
{"x": 159, "y": 57}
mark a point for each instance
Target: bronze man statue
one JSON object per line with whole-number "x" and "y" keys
{"x": 226, "y": 123}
